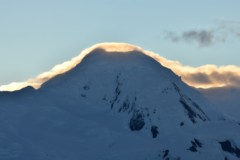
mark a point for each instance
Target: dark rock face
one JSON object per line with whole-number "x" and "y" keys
{"x": 199, "y": 109}
{"x": 104, "y": 98}
{"x": 154, "y": 131}
{"x": 193, "y": 110}
{"x": 198, "y": 143}
{"x": 117, "y": 90}
{"x": 193, "y": 149}
{"x": 191, "y": 113}
{"x": 167, "y": 156}
{"x": 137, "y": 121}
{"x": 86, "y": 87}
{"x": 194, "y": 146}
{"x": 83, "y": 95}
{"x": 226, "y": 146}
{"x": 125, "y": 106}
{"x": 165, "y": 153}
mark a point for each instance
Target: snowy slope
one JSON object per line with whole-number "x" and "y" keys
{"x": 118, "y": 105}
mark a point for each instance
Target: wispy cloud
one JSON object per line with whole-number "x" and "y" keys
{"x": 207, "y": 37}
{"x": 230, "y": 27}
{"x": 202, "y": 37}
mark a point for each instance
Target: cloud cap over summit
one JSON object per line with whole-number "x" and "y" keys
{"x": 200, "y": 77}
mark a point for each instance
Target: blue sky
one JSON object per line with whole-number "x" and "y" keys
{"x": 37, "y": 35}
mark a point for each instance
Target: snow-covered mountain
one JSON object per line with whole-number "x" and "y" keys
{"x": 115, "y": 105}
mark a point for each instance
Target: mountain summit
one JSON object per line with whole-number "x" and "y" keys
{"x": 115, "y": 104}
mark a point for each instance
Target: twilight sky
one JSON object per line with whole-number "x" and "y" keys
{"x": 37, "y": 35}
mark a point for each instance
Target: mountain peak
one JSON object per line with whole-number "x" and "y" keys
{"x": 122, "y": 105}
{"x": 130, "y": 82}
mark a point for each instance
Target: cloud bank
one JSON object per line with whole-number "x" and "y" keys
{"x": 206, "y": 76}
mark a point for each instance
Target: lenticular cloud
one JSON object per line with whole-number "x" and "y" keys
{"x": 206, "y": 76}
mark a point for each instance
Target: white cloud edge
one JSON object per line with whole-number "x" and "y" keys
{"x": 184, "y": 71}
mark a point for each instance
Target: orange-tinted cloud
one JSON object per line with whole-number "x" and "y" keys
{"x": 205, "y": 76}
{"x": 14, "y": 86}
